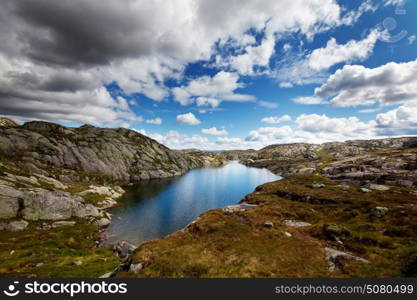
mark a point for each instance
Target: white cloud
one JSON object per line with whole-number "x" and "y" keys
{"x": 307, "y": 67}
{"x": 156, "y": 121}
{"x": 208, "y": 90}
{"x": 268, "y": 104}
{"x": 401, "y": 120}
{"x": 286, "y": 85}
{"x": 389, "y": 84}
{"x": 175, "y": 140}
{"x": 204, "y": 101}
{"x": 188, "y": 119}
{"x": 309, "y": 100}
{"x": 351, "y": 126}
{"x": 276, "y": 120}
{"x": 313, "y": 128}
{"x": 353, "y": 16}
{"x": 334, "y": 53}
{"x": 254, "y": 56}
{"x": 214, "y": 131}
{"x": 369, "y": 110}
{"x": 269, "y": 134}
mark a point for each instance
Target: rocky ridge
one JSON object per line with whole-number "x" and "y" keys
{"x": 77, "y": 154}
{"x": 385, "y": 161}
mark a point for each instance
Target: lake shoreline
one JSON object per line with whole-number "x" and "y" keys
{"x": 189, "y": 196}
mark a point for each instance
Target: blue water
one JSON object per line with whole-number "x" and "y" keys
{"x": 159, "y": 207}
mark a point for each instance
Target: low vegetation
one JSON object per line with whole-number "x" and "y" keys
{"x": 60, "y": 252}
{"x": 257, "y": 242}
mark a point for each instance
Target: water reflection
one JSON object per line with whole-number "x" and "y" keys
{"x": 159, "y": 207}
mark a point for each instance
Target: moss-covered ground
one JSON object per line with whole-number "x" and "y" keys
{"x": 55, "y": 253}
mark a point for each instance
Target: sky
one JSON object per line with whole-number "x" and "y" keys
{"x": 214, "y": 75}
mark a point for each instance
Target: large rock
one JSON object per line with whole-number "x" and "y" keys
{"x": 102, "y": 222}
{"x": 40, "y": 204}
{"x": 379, "y": 211}
{"x": 10, "y": 202}
{"x": 124, "y": 251}
{"x": 103, "y": 190}
{"x": 14, "y": 225}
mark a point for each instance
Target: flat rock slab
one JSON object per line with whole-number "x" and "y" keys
{"x": 238, "y": 207}
{"x": 378, "y": 187}
{"x": 62, "y": 224}
{"x": 292, "y": 223}
{"x": 332, "y": 255}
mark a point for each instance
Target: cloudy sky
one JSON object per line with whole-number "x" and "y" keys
{"x": 214, "y": 74}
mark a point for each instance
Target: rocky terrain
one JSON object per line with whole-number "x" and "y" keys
{"x": 55, "y": 180}
{"x": 384, "y": 161}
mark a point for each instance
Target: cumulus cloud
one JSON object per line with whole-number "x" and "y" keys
{"x": 401, "y": 120}
{"x": 188, "y": 119}
{"x": 214, "y": 131}
{"x": 389, "y": 84}
{"x": 348, "y": 127}
{"x": 208, "y": 90}
{"x": 254, "y": 56}
{"x": 156, "y": 121}
{"x": 276, "y": 119}
{"x": 268, "y": 134}
{"x": 334, "y": 53}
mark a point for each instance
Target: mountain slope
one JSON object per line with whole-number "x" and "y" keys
{"x": 74, "y": 153}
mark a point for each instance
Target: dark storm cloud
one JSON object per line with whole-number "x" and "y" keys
{"x": 78, "y": 32}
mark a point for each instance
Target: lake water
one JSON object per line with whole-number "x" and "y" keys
{"x": 156, "y": 208}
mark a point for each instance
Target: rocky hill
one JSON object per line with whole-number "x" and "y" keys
{"x": 73, "y": 153}
{"x": 385, "y": 161}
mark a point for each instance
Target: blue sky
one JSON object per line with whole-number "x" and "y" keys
{"x": 219, "y": 75}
